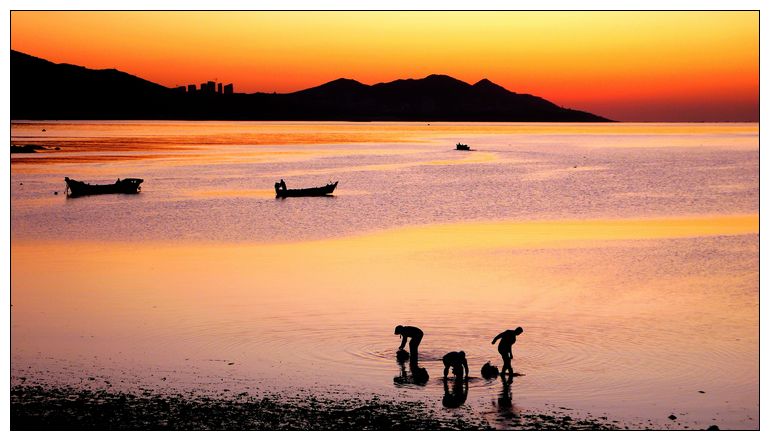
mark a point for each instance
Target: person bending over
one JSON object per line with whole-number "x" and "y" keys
{"x": 457, "y": 361}
{"x": 414, "y": 334}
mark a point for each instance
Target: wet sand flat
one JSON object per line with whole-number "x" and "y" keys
{"x": 38, "y": 408}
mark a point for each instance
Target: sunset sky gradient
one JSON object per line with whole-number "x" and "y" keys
{"x": 630, "y": 66}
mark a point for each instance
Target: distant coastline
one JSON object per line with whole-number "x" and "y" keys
{"x": 43, "y": 90}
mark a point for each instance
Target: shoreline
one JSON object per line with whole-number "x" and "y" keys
{"x": 69, "y": 408}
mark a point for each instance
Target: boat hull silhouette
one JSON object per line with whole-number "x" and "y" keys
{"x": 126, "y": 186}
{"x": 326, "y": 190}
{"x": 463, "y": 147}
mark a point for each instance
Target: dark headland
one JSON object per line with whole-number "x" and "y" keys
{"x": 41, "y": 89}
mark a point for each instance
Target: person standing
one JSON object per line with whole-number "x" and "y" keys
{"x": 507, "y": 339}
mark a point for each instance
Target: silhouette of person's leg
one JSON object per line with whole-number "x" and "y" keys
{"x": 414, "y": 343}
{"x": 507, "y": 365}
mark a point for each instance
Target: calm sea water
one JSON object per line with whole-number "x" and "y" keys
{"x": 627, "y": 252}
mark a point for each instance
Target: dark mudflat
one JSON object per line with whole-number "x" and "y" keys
{"x": 47, "y": 408}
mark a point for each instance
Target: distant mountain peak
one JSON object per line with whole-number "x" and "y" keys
{"x": 340, "y": 85}
{"x": 344, "y": 81}
{"x": 485, "y": 84}
{"x": 444, "y": 79}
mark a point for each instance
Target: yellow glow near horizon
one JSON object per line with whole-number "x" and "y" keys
{"x": 627, "y": 65}
{"x": 480, "y": 235}
{"x": 364, "y": 258}
{"x": 551, "y": 234}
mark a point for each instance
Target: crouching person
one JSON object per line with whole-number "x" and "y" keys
{"x": 458, "y": 363}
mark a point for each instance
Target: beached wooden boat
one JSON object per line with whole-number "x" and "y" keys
{"x": 79, "y": 188}
{"x": 326, "y": 190}
{"x": 463, "y": 146}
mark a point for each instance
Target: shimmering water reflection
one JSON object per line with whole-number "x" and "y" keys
{"x": 322, "y": 312}
{"x": 628, "y": 253}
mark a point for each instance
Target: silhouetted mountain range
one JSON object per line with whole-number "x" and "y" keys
{"x": 44, "y": 90}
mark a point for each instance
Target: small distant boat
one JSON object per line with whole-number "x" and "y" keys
{"x": 79, "y": 188}
{"x": 326, "y": 190}
{"x": 463, "y": 146}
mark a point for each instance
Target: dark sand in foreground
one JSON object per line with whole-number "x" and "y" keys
{"x": 48, "y": 408}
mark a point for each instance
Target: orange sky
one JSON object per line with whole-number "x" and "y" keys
{"x": 631, "y": 66}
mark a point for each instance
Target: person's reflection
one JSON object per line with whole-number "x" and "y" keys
{"x": 403, "y": 377}
{"x": 415, "y": 375}
{"x": 457, "y": 396}
{"x": 505, "y": 399}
